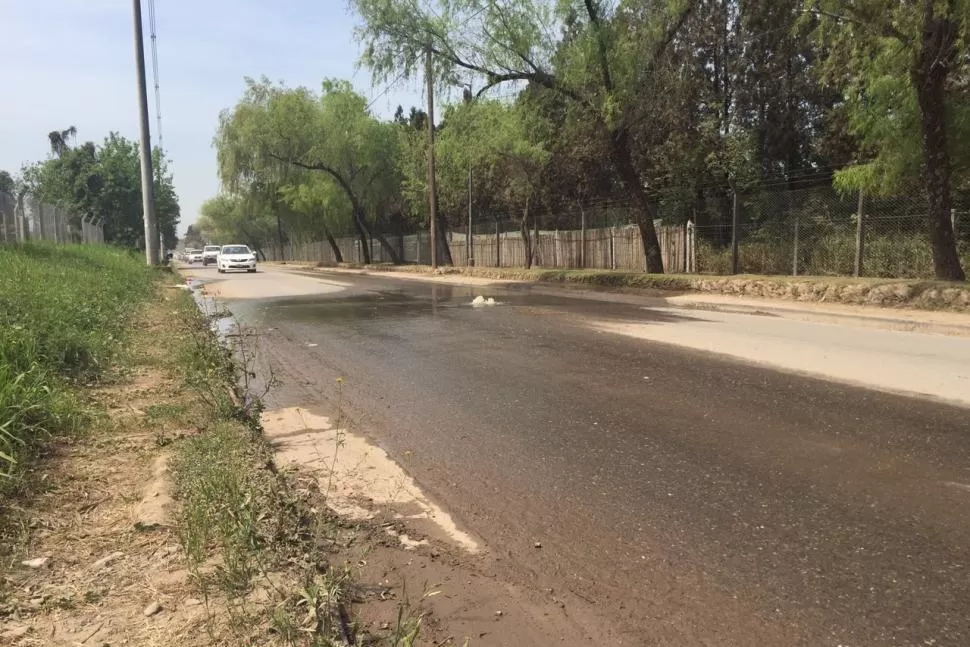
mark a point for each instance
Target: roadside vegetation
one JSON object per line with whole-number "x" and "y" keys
{"x": 557, "y": 117}
{"x": 137, "y": 482}
{"x": 65, "y": 314}
{"x": 260, "y": 543}
{"x": 93, "y": 182}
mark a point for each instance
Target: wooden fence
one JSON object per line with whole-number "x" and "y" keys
{"x": 617, "y": 248}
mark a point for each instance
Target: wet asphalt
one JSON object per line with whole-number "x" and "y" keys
{"x": 689, "y": 499}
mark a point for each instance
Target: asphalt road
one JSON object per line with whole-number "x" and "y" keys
{"x": 689, "y": 497}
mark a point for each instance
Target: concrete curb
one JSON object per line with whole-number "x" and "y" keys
{"x": 859, "y": 319}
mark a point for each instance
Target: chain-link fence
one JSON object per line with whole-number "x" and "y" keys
{"x": 820, "y": 232}
{"x": 814, "y": 231}
{"x": 27, "y": 218}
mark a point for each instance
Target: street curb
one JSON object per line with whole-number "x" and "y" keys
{"x": 856, "y": 319}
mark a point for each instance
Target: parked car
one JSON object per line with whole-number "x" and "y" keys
{"x": 210, "y": 254}
{"x": 236, "y": 257}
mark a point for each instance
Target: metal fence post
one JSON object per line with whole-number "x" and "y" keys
{"x": 860, "y": 235}
{"x": 582, "y": 237}
{"x": 498, "y": 244}
{"x": 794, "y": 261}
{"x": 4, "y": 209}
{"x": 612, "y": 248}
{"x": 687, "y": 228}
{"x": 40, "y": 221}
{"x": 734, "y": 232}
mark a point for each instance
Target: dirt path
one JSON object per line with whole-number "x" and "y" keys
{"x": 95, "y": 557}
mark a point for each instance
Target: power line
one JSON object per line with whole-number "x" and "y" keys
{"x": 158, "y": 96}
{"x": 404, "y": 73}
{"x": 386, "y": 89}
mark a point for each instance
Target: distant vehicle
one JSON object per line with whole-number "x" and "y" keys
{"x": 236, "y": 257}
{"x": 210, "y": 254}
{"x": 193, "y": 256}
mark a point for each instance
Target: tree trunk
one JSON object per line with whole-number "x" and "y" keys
{"x": 929, "y": 77}
{"x": 645, "y": 212}
{"x": 526, "y": 236}
{"x": 444, "y": 249}
{"x": 389, "y": 249}
{"x": 361, "y": 230}
{"x": 338, "y": 257}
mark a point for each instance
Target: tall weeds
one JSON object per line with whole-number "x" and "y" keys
{"x": 63, "y": 317}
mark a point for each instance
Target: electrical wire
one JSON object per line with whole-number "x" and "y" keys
{"x": 158, "y": 97}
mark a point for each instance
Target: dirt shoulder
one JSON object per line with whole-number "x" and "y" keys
{"x": 175, "y": 520}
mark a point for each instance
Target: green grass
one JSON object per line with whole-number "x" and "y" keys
{"x": 63, "y": 317}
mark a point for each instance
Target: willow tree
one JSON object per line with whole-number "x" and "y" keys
{"x": 581, "y": 50}
{"x": 275, "y": 130}
{"x": 322, "y": 206}
{"x": 229, "y": 218}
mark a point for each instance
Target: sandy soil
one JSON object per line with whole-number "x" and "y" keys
{"x": 359, "y": 478}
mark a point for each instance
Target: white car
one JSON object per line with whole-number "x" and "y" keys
{"x": 236, "y": 257}
{"x": 193, "y": 255}
{"x": 210, "y": 254}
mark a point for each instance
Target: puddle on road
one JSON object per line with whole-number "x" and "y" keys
{"x": 361, "y": 481}
{"x": 221, "y": 321}
{"x": 445, "y": 300}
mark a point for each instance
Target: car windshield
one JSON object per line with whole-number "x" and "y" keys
{"x": 212, "y": 248}
{"x": 235, "y": 250}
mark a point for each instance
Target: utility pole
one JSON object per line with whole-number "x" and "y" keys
{"x": 469, "y": 246}
{"x": 432, "y": 189}
{"x": 145, "y": 147}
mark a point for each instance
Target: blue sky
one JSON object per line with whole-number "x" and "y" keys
{"x": 71, "y": 62}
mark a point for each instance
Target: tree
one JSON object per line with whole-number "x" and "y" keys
{"x": 167, "y": 211}
{"x": 274, "y": 131}
{"x": 500, "y": 143}
{"x": 103, "y": 184}
{"x": 509, "y": 42}
{"x": 321, "y": 205}
{"x": 904, "y": 68}
{"x": 59, "y": 140}
{"x": 193, "y": 238}
{"x": 227, "y": 217}
{"x": 7, "y": 184}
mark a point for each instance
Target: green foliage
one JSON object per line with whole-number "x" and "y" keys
{"x": 875, "y": 45}
{"x": 103, "y": 183}
{"x": 501, "y": 146}
{"x": 63, "y": 313}
{"x": 319, "y": 162}
{"x": 7, "y": 184}
{"x": 667, "y": 106}
{"x": 228, "y": 218}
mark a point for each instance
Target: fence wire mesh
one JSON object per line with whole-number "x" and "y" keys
{"x": 24, "y": 218}
{"x": 810, "y": 232}
{"x": 816, "y": 232}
